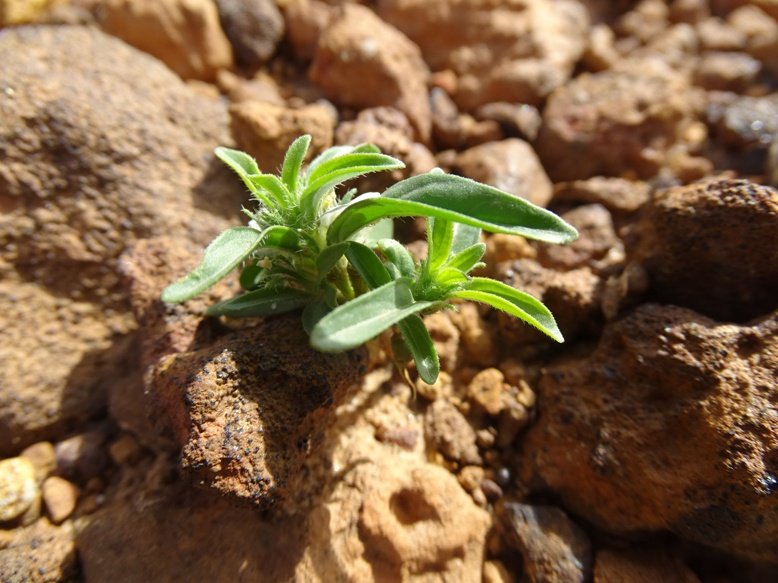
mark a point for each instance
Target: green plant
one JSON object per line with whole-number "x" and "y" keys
{"x": 332, "y": 256}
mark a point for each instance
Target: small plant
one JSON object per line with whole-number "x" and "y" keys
{"x": 334, "y": 257}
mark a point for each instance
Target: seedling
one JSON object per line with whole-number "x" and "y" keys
{"x": 333, "y": 257}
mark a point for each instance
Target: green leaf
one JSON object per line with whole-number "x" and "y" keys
{"x": 468, "y": 258}
{"x": 283, "y": 238}
{"x": 365, "y": 317}
{"x": 381, "y": 230}
{"x": 261, "y": 302}
{"x": 417, "y": 339}
{"x": 293, "y": 161}
{"x": 312, "y": 313}
{"x": 268, "y": 185}
{"x": 464, "y": 236}
{"x": 250, "y": 276}
{"x": 367, "y": 264}
{"x": 440, "y": 236}
{"x": 329, "y": 174}
{"x": 514, "y": 302}
{"x": 223, "y": 255}
{"x": 246, "y": 168}
{"x": 457, "y": 199}
{"x": 450, "y": 276}
{"x": 328, "y": 258}
{"x": 398, "y": 255}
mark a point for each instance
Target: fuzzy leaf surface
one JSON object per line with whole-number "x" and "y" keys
{"x": 417, "y": 339}
{"x": 261, "y": 302}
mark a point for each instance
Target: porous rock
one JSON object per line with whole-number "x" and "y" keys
{"x": 713, "y": 247}
{"x": 305, "y": 21}
{"x": 60, "y": 497}
{"x": 618, "y": 195}
{"x": 400, "y": 521}
{"x": 669, "y": 424}
{"x": 265, "y": 130}
{"x": 514, "y": 51}
{"x": 614, "y": 122}
{"x": 18, "y": 487}
{"x": 361, "y": 61}
{"x": 254, "y": 28}
{"x": 40, "y": 553}
{"x": 554, "y": 548}
{"x": 640, "y": 565}
{"x": 510, "y": 165}
{"x": 449, "y": 433}
{"x": 248, "y": 409}
{"x": 95, "y": 166}
{"x": 183, "y": 34}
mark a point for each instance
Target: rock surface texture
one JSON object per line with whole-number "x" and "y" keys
{"x": 78, "y": 183}
{"x": 613, "y": 436}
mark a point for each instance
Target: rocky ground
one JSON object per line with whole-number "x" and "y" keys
{"x": 141, "y": 442}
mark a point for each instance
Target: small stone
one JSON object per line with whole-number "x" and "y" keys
{"x": 60, "y": 497}
{"x": 486, "y": 389}
{"x": 441, "y": 388}
{"x": 254, "y": 27}
{"x": 82, "y": 456}
{"x": 491, "y": 490}
{"x": 18, "y": 487}
{"x": 42, "y": 456}
{"x": 450, "y": 433}
{"x": 497, "y": 572}
{"x": 125, "y": 450}
{"x": 21, "y": 11}
{"x": 470, "y": 477}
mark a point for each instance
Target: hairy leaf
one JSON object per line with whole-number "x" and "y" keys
{"x": 293, "y": 161}
{"x": 367, "y": 264}
{"x": 365, "y": 317}
{"x": 261, "y": 302}
{"x": 398, "y": 255}
{"x": 440, "y": 236}
{"x": 420, "y": 344}
{"x": 457, "y": 199}
{"x": 514, "y": 302}
{"x": 468, "y": 258}
{"x": 223, "y": 255}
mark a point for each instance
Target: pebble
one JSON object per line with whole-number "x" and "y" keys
{"x": 60, "y": 497}
{"x": 18, "y": 487}
{"x": 42, "y": 456}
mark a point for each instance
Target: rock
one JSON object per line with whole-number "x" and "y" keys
{"x": 254, "y": 28}
{"x": 445, "y": 336}
{"x": 597, "y": 246}
{"x": 475, "y": 334}
{"x": 448, "y": 432}
{"x": 771, "y": 169}
{"x": 486, "y": 389}
{"x": 82, "y": 456}
{"x": 398, "y": 522}
{"x": 574, "y": 297}
{"x": 497, "y": 572}
{"x": 618, "y": 195}
{"x": 716, "y": 34}
{"x": 553, "y": 547}
{"x": 698, "y": 244}
{"x": 265, "y": 130}
{"x": 640, "y": 566}
{"x": 501, "y": 248}
{"x": 183, "y": 34}
{"x": 42, "y": 456}
{"x": 724, "y": 71}
{"x": 760, "y": 32}
{"x": 78, "y": 184}
{"x": 517, "y": 52}
{"x": 40, "y": 553}
{"x": 247, "y": 409}
{"x": 520, "y": 120}
{"x": 746, "y": 121}
{"x": 669, "y": 424}
{"x": 125, "y": 450}
{"x": 615, "y": 122}
{"x": 18, "y": 488}
{"x": 60, "y": 497}
{"x": 14, "y": 12}
{"x": 389, "y": 130}
{"x": 510, "y": 165}
{"x": 601, "y": 53}
{"x": 451, "y": 129}
{"x": 306, "y": 20}
{"x": 261, "y": 87}
{"x": 361, "y": 61}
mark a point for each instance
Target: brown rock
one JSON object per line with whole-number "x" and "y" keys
{"x": 553, "y": 547}
{"x": 616, "y": 122}
{"x": 363, "y": 62}
{"x": 515, "y": 52}
{"x": 516, "y": 119}
{"x": 83, "y": 456}
{"x": 261, "y": 87}
{"x": 13, "y": 12}
{"x": 265, "y": 130}
{"x": 405, "y": 521}
{"x": 497, "y": 572}
{"x": 616, "y": 194}
{"x": 476, "y": 335}
{"x": 725, "y": 71}
{"x": 80, "y": 182}
{"x": 451, "y": 129}
{"x": 716, "y": 34}
{"x": 448, "y": 432}
{"x": 712, "y": 247}
{"x": 247, "y": 410}
{"x": 761, "y": 34}
{"x": 254, "y": 28}
{"x": 640, "y": 566}
{"x": 597, "y": 246}
{"x": 306, "y": 20}
{"x": 40, "y": 553}
{"x": 772, "y": 165}
{"x": 445, "y": 336}
{"x": 574, "y": 297}
{"x": 60, "y": 497}
{"x": 669, "y": 424}
{"x": 389, "y": 130}
{"x": 746, "y": 121}
{"x": 125, "y": 450}
{"x": 510, "y": 165}
{"x": 42, "y": 456}
{"x": 486, "y": 389}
